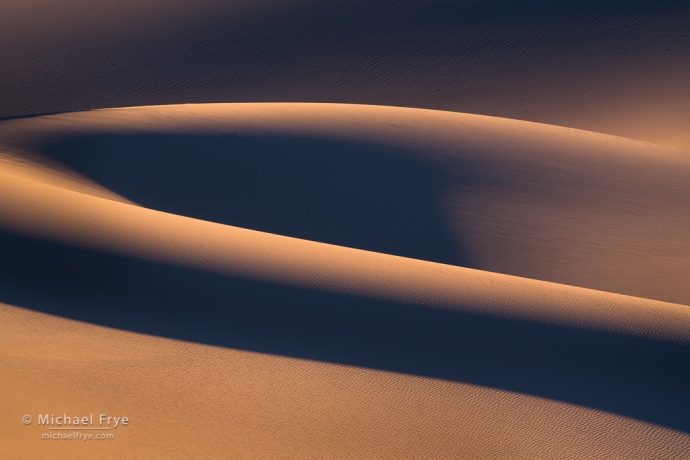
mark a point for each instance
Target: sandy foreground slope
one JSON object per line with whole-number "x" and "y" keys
{"x": 284, "y": 281}
{"x": 190, "y": 401}
{"x": 615, "y": 66}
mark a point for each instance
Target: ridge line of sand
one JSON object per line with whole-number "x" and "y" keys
{"x": 67, "y": 217}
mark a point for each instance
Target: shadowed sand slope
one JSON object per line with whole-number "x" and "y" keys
{"x": 263, "y": 281}
{"x": 189, "y": 401}
{"x": 344, "y": 229}
{"x": 615, "y": 66}
{"x": 512, "y": 197}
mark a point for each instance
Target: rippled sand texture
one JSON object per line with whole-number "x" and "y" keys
{"x": 392, "y": 229}
{"x": 614, "y": 66}
{"x": 342, "y": 281}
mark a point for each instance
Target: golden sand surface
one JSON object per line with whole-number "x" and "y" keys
{"x": 299, "y": 229}
{"x": 525, "y": 199}
{"x": 551, "y": 332}
{"x": 619, "y": 67}
{"x": 187, "y": 400}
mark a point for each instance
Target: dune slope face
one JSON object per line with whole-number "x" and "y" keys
{"x": 504, "y": 196}
{"x": 615, "y": 66}
{"x": 300, "y": 281}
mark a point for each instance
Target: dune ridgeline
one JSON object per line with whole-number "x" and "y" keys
{"x": 343, "y": 281}
{"x": 392, "y": 229}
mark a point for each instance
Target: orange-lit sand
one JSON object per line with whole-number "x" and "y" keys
{"x": 612, "y": 66}
{"x": 519, "y": 198}
{"x": 346, "y": 229}
{"x": 188, "y": 400}
{"x": 308, "y": 348}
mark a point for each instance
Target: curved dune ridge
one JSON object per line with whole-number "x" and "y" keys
{"x": 615, "y": 66}
{"x": 499, "y": 195}
{"x": 343, "y": 281}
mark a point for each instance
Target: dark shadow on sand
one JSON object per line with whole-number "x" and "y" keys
{"x": 638, "y": 378}
{"x": 358, "y": 195}
{"x": 463, "y": 55}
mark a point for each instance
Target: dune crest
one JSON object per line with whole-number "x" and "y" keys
{"x": 310, "y": 271}
{"x": 612, "y": 66}
{"x": 299, "y": 229}
{"x": 525, "y": 199}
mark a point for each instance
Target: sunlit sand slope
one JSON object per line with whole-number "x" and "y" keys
{"x": 285, "y": 281}
{"x": 505, "y": 196}
{"x": 76, "y": 220}
{"x": 615, "y": 66}
{"x": 193, "y": 401}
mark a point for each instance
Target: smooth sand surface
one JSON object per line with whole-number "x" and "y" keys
{"x": 342, "y": 281}
{"x": 505, "y": 196}
{"x": 346, "y": 229}
{"x": 615, "y": 66}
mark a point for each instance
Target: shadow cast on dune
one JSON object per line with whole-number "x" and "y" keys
{"x": 345, "y": 193}
{"x": 554, "y": 62}
{"x": 638, "y": 378}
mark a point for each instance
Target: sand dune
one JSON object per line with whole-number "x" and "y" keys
{"x": 338, "y": 281}
{"x": 442, "y": 229}
{"x": 188, "y": 400}
{"x": 505, "y": 196}
{"x": 613, "y": 66}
